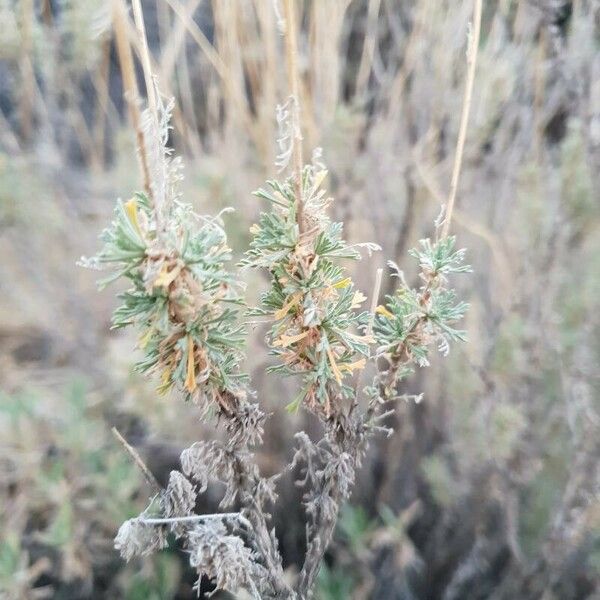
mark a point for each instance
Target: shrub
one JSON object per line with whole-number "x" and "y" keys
{"x": 185, "y": 304}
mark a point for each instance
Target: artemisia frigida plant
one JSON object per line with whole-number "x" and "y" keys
{"x": 186, "y": 308}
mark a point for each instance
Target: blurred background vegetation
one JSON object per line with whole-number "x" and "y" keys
{"x": 490, "y": 487}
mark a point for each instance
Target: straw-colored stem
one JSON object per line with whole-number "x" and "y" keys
{"x": 267, "y": 34}
{"x": 231, "y": 90}
{"x": 374, "y": 301}
{"x": 175, "y": 41}
{"x": 130, "y": 87}
{"x": 138, "y": 18}
{"x": 464, "y": 119}
{"x": 253, "y": 69}
{"x": 136, "y": 45}
{"x": 187, "y": 102}
{"x": 137, "y": 459}
{"x": 291, "y": 53}
{"x": 172, "y": 41}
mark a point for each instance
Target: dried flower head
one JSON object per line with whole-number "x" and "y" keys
{"x": 224, "y": 558}
{"x": 137, "y": 538}
{"x": 179, "y": 499}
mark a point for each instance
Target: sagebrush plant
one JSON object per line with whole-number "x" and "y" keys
{"x": 185, "y": 305}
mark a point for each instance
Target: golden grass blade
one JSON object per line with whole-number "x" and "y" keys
{"x": 464, "y": 119}
{"x": 138, "y": 17}
{"x": 231, "y": 90}
{"x": 175, "y": 41}
{"x": 119, "y": 17}
{"x": 291, "y": 53}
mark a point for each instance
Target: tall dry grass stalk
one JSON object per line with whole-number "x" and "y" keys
{"x": 327, "y": 21}
{"x": 138, "y": 17}
{"x": 268, "y": 69}
{"x": 130, "y": 87}
{"x": 472, "y": 50}
{"x": 291, "y": 54}
{"x": 173, "y": 44}
{"x": 232, "y": 86}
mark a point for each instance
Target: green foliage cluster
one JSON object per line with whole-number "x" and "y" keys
{"x": 315, "y": 307}
{"x": 182, "y": 300}
{"x": 414, "y": 319}
{"x": 312, "y": 302}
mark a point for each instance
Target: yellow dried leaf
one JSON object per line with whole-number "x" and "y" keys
{"x": 190, "y": 379}
{"x": 358, "y": 364}
{"x": 165, "y": 277}
{"x": 279, "y": 314}
{"x": 334, "y": 367}
{"x": 382, "y": 310}
{"x": 144, "y": 339}
{"x": 287, "y": 340}
{"x": 131, "y": 208}
{"x": 343, "y": 283}
{"x": 166, "y": 382}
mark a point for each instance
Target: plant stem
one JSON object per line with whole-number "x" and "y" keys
{"x": 137, "y": 459}
{"x": 291, "y": 53}
{"x": 138, "y": 17}
{"x": 472, "y": 51}
{"x": 130, "y": 90}
{"x": 197, "y": 518}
